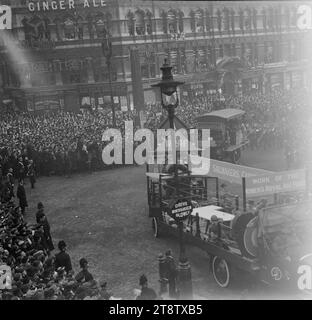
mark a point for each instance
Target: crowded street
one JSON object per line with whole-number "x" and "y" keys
{"x": 89, "y": 211}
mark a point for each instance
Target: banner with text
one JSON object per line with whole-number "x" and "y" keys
{"x": 227, "y": 171}
{"x": 276, "y": 183}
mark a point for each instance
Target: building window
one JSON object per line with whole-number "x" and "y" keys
{"x": 199, "y": 20}
{"x": 139, "y": 22}
{"x": 193, "y": 23}
{"x": 180, "y": 21}
{"x": 100, "y": 28}
{"x": 226, "y": 19}
{"x": 149, "y": 22}
{"x": 233, "y": 50}
{"x": 69, "y": 29}
{"x": 208, "y": 21}
{"x": 172, "y": 21}
{"x": 74, "y": 77}
{"x": 201, "y": 59}
{"x": 220, "y": 52}
{"x": 130, "y": 23}
{"x": 80, "y": 29}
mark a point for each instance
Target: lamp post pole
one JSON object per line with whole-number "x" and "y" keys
{"x": 107, "y": 52}
{"x": 168, "y": 88}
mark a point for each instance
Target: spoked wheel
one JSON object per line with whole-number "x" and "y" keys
{"x": 221, "y": 272}
{"x": 155, "y": 227}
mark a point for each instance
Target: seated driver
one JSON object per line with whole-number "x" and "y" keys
{"x": 214, "y": 229}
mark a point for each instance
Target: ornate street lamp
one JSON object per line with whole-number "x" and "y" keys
{"x": 169, "y": 100}
{"x": 107, "y": 50}
{"x": 168, "y": 90}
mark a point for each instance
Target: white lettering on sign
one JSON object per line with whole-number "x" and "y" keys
{"x": 228, "y": 171}
{"x": 276, "y": 182}
{"x": 181, "y": 210}
{"x": 63, "y": 5}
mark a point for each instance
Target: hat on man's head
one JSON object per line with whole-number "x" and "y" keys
{"x": 61, "y": 245}
{"x": 143, "y": 280}
{"x": 83, "y": 262}
{"x": 40, "y": 205}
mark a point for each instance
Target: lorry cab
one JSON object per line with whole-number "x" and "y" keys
{"x": 228, "y": 135}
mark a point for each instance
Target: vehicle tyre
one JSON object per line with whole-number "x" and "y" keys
{"x": 155, "y": 226}
{"x": 221, "y": 272}
{"x": 241, "y": 232}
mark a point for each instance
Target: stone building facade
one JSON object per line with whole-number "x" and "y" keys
{"x": 53, "y": 59}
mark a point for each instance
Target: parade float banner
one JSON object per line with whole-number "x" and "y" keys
{"x": 279, "y": 182}
{"x": 230, "y": 172}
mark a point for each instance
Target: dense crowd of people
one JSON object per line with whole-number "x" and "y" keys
{"x": 63, "y": 143}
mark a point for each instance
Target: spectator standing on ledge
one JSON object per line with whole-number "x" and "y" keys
{"x": 62, "y": 259}
{"x": 21, "y": 195}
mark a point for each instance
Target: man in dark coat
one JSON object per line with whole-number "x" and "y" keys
{"x": 62, "y": 259}
{"x": 146, "y": 292}
{"x": 20, "y": 169}
{"x": 31, "y": 173}
{"x": 21, "y": 195}
{"x": 40, "y": 212}
{"x": 10, "y": 178}
{"x": 46, "y": 239}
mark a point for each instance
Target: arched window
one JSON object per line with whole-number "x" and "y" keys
{"x": 172, "y": 21}
{"x": 148, "y": 23}
{"x": 130, "y": 23}
{"x": 199, "y": 20}
{"x": 139, "y": 22}
{"x": 193, "y": 24}
{"x": 180, "y": 16}
{"x": 226, "y": 19}
{"x": 287, "y": 16}
{"x": 100, "y": 27}
{"x": 69, "y": 29}
{"x": 36, "y": 29}
{"x": 208, "y": 21}
{"x": 163, "y": 15}
{"x": 80, "y": 28}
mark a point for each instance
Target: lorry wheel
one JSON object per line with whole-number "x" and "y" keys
{"x": 245, "y": 235}
{"x": 155, "y": 227}
{"x": 221, "y": 272}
